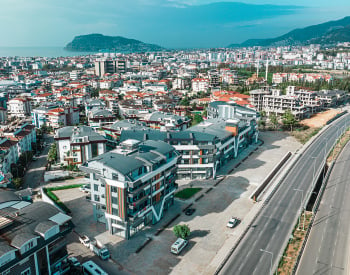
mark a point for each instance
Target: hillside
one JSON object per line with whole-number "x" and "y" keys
{"x": 99, "y": 42}
{"x": 326, "y": 33}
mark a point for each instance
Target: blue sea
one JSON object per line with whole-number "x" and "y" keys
{"x": 38, "y": 51}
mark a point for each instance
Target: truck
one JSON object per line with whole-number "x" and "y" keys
{"x": 99, "y": 249}
{"x": 85, "y": 240}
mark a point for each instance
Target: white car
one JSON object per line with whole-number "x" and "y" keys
{"x": 85, "y": 240}
{"x": 232, "y": 222}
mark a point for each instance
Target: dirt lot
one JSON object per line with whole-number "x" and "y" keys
{"x": 320, "y": 119}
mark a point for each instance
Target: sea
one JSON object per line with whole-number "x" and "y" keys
{"x": 39, "y": 52}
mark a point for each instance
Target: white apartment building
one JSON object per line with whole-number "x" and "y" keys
{"x": 19, "y": 107}
{"x": 200, "y": 85}
{"x": 78, "y": 144}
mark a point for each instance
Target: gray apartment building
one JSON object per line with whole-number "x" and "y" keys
{"x": 205, "y": 147}
{"x": 133, "y": 185}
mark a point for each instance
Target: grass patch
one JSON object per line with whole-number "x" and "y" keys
{"x": 304, "y": 136}
{"x": 291, "y": 252}
{"x": 56, "y": 200}
{"x": 187, "y": 193}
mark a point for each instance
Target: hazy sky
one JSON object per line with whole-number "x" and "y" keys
{"x": 169, "y": 23}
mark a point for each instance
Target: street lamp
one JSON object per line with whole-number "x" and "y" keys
{"x": 262, "y": 250}
{"x": 301, "y": 207}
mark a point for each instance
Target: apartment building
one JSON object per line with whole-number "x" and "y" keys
{"x": 231, "y": 110}
{"x": 63, "y": 116}
{"x": 257, "y": 98}
{"x": 132, "y": 186}
{"x": 278, "y": 104}
{"x": 98, "y": 117}
{"x": 32, "y": 237}
{"x": 205, "y": 147}
{"x": 39, "y": 115}
{"x": 300, "y": 102}
{"x": 77, "y": 144}
{"x": 8, "y": 155}
{"x": 19, "y": 107}
{"x": 104, "y": 66}
{"x": 166, "y": 121}
{"x": 113, "y": 131}
{"x": 200, "y": 85}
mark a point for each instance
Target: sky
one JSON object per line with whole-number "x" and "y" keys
{"x": 168, "y": 23}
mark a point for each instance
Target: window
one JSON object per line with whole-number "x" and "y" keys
{"x": 114, "y": 176}
{"x": 26, "y": 272}
{"x": 114, "y": 189}
{"x": 29, "y": 246}
{"x": 115, "y": 212}
{"x": 140, "y": 171}
{"x": 115, "y": 200}
{"x": 94, "y": 149}
{"x": 95, "y": 187}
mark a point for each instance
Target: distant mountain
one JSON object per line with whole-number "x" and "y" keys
{"x": 99, "y": 42}
{"x": 327, "y": 33}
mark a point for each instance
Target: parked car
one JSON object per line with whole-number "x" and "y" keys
{"x": 232, "y": 222}
{"x": 85, "y": 240}
{"x": 74, "y": 261}
{"x": 178, "y": 246}
{"x": 189, "y": 211}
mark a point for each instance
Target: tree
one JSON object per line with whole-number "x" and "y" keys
{"x": 52, "y": 155}
{"x": 289, "y": 119}
{"x": 185, "y": 102}
{"x": 18, "y": 182}
{"x": 274, "y": 120}
{"x": 182, "y": 231}
{"x": 197, "y": 119}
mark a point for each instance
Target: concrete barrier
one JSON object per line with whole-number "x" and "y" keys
{"x": 270, "y": 176}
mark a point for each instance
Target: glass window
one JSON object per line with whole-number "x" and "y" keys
{"x": 95, "y": 187}
{"x": 115, "y": 200}
{"x": 115, "y": 176}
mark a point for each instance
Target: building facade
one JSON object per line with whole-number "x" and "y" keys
{"x": 132, "y": 186}
{"x": 78, "y": 144}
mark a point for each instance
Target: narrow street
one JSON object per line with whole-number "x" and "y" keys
{"x": 34, "y": 176}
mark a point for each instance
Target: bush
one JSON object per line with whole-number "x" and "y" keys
{"x": 182, "y": 231}
{"x": 18, "y": 182}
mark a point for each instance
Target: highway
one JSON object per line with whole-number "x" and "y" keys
{"x": 275, "y": 222}
{"x": 327, "y": 249}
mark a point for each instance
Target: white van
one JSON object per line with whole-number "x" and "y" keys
{"x": 178, "y": 246}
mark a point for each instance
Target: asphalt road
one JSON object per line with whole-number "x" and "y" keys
{"x": 275, "y": 222}
{"x": 327, "y": 250}
{"x": 35, "y": 173}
